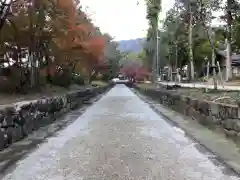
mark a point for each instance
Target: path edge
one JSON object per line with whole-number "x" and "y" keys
{"x": 195, "y": 131}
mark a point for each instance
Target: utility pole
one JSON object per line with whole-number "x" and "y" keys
{"x": 157, "y": 63}
{"x": 154, "y": 75}
{"x": 176, "y": 61}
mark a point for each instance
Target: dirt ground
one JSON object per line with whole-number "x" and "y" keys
{"x": 229, "y": 97}
{"x": 47, "y": 91}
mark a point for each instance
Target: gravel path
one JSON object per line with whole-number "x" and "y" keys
{"x": 120, "y": 137}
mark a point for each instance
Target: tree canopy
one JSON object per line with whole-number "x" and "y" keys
{"x": 49, "y": 37}
{"x": 176, "y": 40}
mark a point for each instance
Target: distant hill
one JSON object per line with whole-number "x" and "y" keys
{"x": 132, "y": 45}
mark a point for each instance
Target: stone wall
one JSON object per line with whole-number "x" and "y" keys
{"x": 20, "y": 119}
{"x": 210, "y": 114}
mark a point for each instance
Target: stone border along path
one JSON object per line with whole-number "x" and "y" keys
{"x": 217, "y": 143}
{"x": 201, "y": 85}
{"x": 11, "y": 155}
{"x": 20, "y": 119}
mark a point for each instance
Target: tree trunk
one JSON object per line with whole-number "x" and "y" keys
{"x": 190, "y": 45}
{"x": 31, "y": 47}
{"x": 32, "y": 69}
{"x": 157, "y": 55}
{"x": 229, "y": 31}
{"x": 176, "y": 58}
{"x": 211, "y": 38}
{"x": 48, "y": 66}
{"x": 91, "y": 75}
{"x": 176, "y": 61}
{"x": 228, "y": 62}
{"x": 5, "y": 8}
{"x": 214, "y": 70}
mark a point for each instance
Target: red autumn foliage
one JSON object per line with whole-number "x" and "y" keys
{"x": 100, "y": 66}
{"x": 94, "y": 46}
{"x": 59, "y": 32}
{"x": 134, "y": 71}
{"x": 80, "y": 37}
{"x": 142, "y": 73}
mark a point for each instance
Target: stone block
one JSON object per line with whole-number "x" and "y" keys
{"x": 214, "y": 108}
{"x": 228, "y": 124}
{"x": 194, "y": 103}
{"x": 9, "y": 112}
{"x": 230, "y": 133}
{"x": 17, "y": 133}
{"x": 203, "y": 107}
{"x": 196, "y": 115}
{"x": 227, "y": 111}
{"x": 190, "y": 111}
{"x": 2, "y": 138}
{"x": 187, "y": 110}
{"x": 216, "y": 120}
{"x": 236, "y": 125}
{"x": 2, "y": 117}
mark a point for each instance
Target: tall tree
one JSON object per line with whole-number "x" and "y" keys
{"x": 153, "y": 10}
{"x": 229, "y": 40}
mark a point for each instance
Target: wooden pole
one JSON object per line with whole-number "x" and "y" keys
{"x": 206, "y": 90}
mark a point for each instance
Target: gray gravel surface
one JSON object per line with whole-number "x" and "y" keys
{"x": 120, "y": 137}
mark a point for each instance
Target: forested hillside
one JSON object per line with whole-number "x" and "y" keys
{"x": 132, "y": 45}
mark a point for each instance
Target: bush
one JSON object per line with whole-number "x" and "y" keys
{"x": 76, "y": 79}
{"x": 61, "y": 79}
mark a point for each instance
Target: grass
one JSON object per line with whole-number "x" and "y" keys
{"x": 146, "y": 85}
{"x": 99, "y": 83}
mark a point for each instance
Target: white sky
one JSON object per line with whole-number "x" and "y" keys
{"x": 122, "y": 19}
